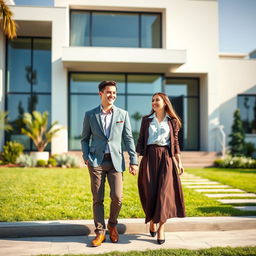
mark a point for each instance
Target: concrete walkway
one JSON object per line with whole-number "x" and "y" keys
{"x": 81, "y": 244}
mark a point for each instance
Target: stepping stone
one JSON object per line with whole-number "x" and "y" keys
{"x": 208, "y": 186}
{"x": 237, "y": 201}
{"x": 200, "y": 182}
{"x": 246, "y": 208}
{"x": 195, "y": 180}
{"x": 230, "y": 195}
{"x": 220, "y": 190}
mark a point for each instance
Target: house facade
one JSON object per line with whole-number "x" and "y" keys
{"x": 62, "y": 52}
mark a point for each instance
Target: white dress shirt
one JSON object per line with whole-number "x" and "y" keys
{"x": 106, "y": 120}
{"x": 159, "y": 132}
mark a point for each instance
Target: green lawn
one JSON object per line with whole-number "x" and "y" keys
{"x": 238, "y": 178}
{"x": 216, "y": 251}
{"x": 51, "y": 194}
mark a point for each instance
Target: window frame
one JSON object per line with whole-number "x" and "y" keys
{"x": 140, "y": 13}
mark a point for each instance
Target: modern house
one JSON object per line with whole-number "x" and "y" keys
{"x": 62, "y": 52}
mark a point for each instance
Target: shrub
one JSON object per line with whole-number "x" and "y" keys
{"x": 249, "y": 149}
{"x": 237, "y": 137}
{"x": 1, "y": 162}
{"x": 52, "y": 162}
{"x": 26, "y": 161}
{"x": 41, "y": 163}
{"x": 12, "y": 150}
{"x": 65, "y": 160}
{"x": 235, "y": 162}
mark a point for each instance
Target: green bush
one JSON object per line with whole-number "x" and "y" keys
{"x": 52, "y": 162}
{"x": 68, "y": 161}
{"x": 236, "y": 162}
{"x": 12, "y": 150}
{"x": 1, "y": 162}
{"x": 249, "y": 149}
{"x": 26, "y": 160}
{"x": 41, "y": 163}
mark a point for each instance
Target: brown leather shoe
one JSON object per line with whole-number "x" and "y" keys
{"x": 98, "y": 240}
{"x": 113, "y": 234}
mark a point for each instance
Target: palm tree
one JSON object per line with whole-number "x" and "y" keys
{"x": 36, "y": 128}
{"x": 8, "y": 25}
{"x": 3, "y": 122}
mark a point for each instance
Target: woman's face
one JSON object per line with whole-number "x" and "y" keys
{"x": 158, "y": 103}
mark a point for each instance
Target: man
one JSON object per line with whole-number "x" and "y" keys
{"x": 104, "y": 129}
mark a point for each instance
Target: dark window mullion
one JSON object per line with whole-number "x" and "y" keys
{"x": 140, "y": 30}
{"x": 90, "y": 28}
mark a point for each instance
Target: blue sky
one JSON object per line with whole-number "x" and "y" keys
{"x": 237, "y": 23}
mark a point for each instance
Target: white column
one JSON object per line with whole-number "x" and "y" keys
{"x": 59, "y": 80}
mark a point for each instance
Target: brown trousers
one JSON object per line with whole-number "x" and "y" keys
{"x": 115, "y": 180}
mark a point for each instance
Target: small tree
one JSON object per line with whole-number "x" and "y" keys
{"x": 36, "y": 128}
{"x": 237, "y": 142}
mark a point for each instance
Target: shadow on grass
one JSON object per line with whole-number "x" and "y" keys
{"x": 225, "y": 210}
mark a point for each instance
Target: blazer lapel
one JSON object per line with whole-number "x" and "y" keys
{"x": 97, "y": 115}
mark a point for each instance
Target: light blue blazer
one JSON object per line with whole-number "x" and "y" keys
{"x": 94, "y": 140}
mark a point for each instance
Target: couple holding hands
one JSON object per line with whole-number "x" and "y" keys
{"x": 104, "y": 129}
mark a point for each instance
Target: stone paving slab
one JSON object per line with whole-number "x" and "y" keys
{"x": 140, "y": 242}
{"x": 230, "y": 195}
{"x": 246, "y": 208}
{"x": 237, "y": 201}
{"x": 208, "y": 186}
{"x": 198, "y": 182}
{"x": 220, "y": 190}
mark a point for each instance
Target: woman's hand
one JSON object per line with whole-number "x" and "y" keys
{"x": 181, "y": 169}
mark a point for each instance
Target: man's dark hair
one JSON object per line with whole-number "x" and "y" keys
{"x": 103, "y": 84}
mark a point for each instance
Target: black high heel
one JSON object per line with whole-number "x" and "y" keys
{"x": 152, "y": 233}
{"x": 161, "y": 241}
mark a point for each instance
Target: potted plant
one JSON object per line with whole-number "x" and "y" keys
{"x": 36, "y": 128}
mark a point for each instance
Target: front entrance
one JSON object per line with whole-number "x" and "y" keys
{"x": 184, "y": 95}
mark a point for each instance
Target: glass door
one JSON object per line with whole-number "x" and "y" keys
{"x": 184, "y": 95}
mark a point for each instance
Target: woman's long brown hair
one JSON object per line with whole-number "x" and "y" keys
{"x": 168, "y": 107}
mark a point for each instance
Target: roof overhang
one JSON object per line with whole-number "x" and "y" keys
{"x": 112, "y": 59}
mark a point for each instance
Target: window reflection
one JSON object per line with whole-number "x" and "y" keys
{"x": 151, "y": 31}
{"x": 79, "y": 30}
{"x": 88, "y": 83}
{"x": 27, "y": 78}
{"x": 184, "y": 95}
{"x": 115, "y": 29}
{"x": 19, "y": 65}
{"x": 247, "y": 106}
{"x": 142, "y": 84}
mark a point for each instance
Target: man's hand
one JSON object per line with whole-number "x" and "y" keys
{"x": 133, "y": 169}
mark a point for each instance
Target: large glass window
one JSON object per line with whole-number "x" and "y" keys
{"x": 184, "y": 95}
{"x": 115, "y": 29}
{"x": 28, "y": 83}
{"x": 134, "y": 93}
{"x": 247, "y": 106}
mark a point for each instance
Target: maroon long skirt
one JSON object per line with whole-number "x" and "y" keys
{"x": 159, "y": 186}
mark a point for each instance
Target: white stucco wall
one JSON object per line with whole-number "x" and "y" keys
{"x": 236, "y": 76}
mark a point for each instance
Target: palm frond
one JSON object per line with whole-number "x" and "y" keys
{"x": 8, "y": 25}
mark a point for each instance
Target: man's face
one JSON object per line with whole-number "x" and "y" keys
{"x": 108, "y": 96}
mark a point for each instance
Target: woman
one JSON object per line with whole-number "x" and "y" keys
{"x": 159, "y": 183}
